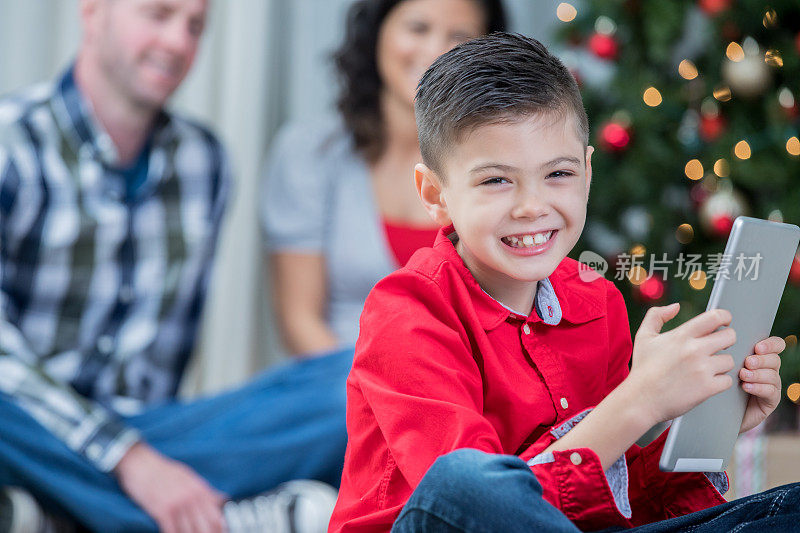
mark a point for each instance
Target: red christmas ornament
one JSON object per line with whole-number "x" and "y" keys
{"x": 711, "y": 127}
{"x": 721, "y": 224}
{"x": 652, "y": 289}
{"x": 720, "y": 209}
{"x": 604, "y": 46}
{"x": 614, "y": 137}
{"x": 714, "y": 7}
{"x": 794, "y": 273}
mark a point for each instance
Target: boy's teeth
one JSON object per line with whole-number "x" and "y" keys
{"x": 535, "y": 239}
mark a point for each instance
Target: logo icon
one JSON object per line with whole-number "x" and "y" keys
{"x": 592, "y": 266}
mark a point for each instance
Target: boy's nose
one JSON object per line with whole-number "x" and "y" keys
{"x": 531, "y": 206}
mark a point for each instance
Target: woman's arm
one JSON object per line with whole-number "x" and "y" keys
{"x": 299, "y": 296}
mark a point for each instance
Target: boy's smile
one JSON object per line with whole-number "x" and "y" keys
{"x": 516, "y": 194}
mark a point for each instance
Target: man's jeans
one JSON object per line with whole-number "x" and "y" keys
{"x": 287, "y": 424}
{"x": 468, "y": 490}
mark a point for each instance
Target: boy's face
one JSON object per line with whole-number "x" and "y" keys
{"x": 516, "y": 193}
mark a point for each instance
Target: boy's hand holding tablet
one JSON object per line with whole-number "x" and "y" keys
{"x": 760, "y": 379}
{"x": 703, "y": 435}
{"x": 677, "y": 369}
{"x": 671, "y": 385}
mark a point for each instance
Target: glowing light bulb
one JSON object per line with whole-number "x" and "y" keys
{"x": 742, "y": 150}
{"x": 793, "y": 392}
{"x": 722, "y": 93}
{"x": 722, "y": 168}
{"x": 637, "y": 275}
{"x": 770, "y": 18}
{"x": 698, "y": 280}
{"x": 786, "y": 98}
{"x": 687, "y": 70}
{"x": 773, "y": 58}
{"x": 793, "y": 146}
{"x": 652, "y": 97}
{"x": 775, "y": 216}
{"x": 605, "y": 26}
{"x": 566, "y": 12}
{"x": 694, "y": 169}
{"x": 684, "y": 234}
{"x": 734, "y": 52}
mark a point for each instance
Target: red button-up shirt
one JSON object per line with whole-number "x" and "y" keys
{"x": 440, "y": 365}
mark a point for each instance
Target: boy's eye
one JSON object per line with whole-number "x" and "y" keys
{"x": 560, "y": 174}
{"x": 494, "y": 181}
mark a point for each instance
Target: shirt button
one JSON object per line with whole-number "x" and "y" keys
{"x": 576, "y": 458}
{"x": 105, "y": 344}
{"x": 526, "y": 329}
{"x": 564, "y": 403}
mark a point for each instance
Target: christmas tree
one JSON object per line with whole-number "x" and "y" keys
{"x": 695, "y": 121}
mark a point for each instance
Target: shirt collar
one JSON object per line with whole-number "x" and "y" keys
{"x": 569, "y": 297}
{"x": 83, "y": 132}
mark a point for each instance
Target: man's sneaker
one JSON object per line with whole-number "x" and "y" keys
{"x": 300, "y": 506}
{"x": 21, "y": 513}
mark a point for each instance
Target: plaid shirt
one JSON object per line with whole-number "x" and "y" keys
{"x": 100, "y": 293}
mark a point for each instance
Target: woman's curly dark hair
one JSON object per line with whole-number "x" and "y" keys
{"x": 355, "y": 60}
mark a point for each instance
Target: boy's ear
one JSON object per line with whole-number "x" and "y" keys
{"x": 429, "y": 189}
{"x": 589, "y": 152}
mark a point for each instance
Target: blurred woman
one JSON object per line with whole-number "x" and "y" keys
{"x": 339, "y": 207}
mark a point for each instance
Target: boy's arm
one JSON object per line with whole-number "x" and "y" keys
{"x": 581, "y": 452}
{"x": 672, "y": 372}
{"x": 418, "y": 375}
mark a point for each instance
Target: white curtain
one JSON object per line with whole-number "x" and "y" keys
{"x": 262, "y": 63}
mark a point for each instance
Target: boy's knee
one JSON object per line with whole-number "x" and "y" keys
{"x": 466, "y": 487}
{"x": 464, "y": 465}
{"x": 471, "y": 471}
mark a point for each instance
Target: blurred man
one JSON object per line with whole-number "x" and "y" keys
{"x": 110, "y": 209}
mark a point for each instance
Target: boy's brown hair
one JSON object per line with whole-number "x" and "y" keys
{"x": 497, "y": 78}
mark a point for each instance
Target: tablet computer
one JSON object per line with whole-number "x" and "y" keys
{"x": 752, "y": 274}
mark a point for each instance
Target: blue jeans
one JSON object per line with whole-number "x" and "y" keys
{"x": 289, "y": 423}
{"x": 468, "y": 490}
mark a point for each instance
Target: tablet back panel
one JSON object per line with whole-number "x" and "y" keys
{"x": 702, "y": 440}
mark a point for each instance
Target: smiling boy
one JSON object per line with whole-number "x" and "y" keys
{"x": 490, "y": 389}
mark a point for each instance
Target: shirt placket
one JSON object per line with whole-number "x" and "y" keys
{"x": 549, "y": 366}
